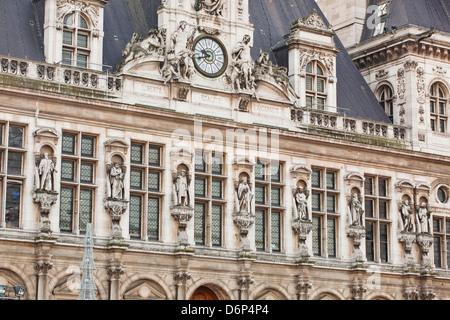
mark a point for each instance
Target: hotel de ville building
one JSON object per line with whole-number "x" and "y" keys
{"x": 225, "y": 149}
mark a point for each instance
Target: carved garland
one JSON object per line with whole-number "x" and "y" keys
{"x": 65, "y": 7}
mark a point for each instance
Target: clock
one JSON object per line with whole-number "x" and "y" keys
{"x": 210, "y": 56}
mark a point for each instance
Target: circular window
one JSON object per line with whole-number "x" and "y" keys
{"x": 442, "y": 195}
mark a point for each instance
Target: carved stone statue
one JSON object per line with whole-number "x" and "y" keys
{"x": 182, "y": 189}
{"x": 241, "y": 67}
{"x": 301, "y": 204}
{"x": 424, "y": 218}
{"x": 213, "y": 7}
{"x": 46, "y": 172}
{"x": 178, "y": 62}
{"x": 245, "y": 196}
{"x": 116, "y": 176}
{"x": 356, "y": 211}
{"x": 407, "y": 215}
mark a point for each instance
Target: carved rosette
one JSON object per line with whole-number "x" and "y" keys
{"x": 408, "y": 240}
{"x": 303, "y": 229}
{"x": 357, "y": 233}
{"x": 116, "y": 209}
{"x": 183, "y": 215}
{"x": 425, "y": 242}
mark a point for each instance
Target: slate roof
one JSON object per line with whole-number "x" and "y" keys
{"x": 423, "y": 13}
{"x": 22, "y": 20}
{"x": 272, "y": 20}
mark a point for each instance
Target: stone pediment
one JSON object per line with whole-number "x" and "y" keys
{"x": 144, "y": 291}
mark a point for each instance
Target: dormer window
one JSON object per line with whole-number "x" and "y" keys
{"x": 386, "y": 99}
{"x": 438, "y": 107}
{"x": 316, "y": 84}
{"x": 76, "y": 41}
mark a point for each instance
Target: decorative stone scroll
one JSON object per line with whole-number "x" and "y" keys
{"x": 65, "y": 7}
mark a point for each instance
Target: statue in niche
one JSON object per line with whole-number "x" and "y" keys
{"x": 213, "y": 7}
{"x": 356, "y": 211}
{"x": 407, "y": 215}
{"x": 245, "y": 196}
{"x": 424, "y": 218}
{"x": 46, "y": 171}
{"x": 179, "y": 63}
{"x": 116, "y": 177}
{"x": 182, "y": 189}
{"x": 301, "y": 201}
{"x": 241, "y": 67}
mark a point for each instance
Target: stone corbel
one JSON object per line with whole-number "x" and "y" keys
{"x": 425, "y": 242}
{"x": 181, "y": 278}
{"x": 408, "y": 239}
{"x": 358, "y": 289}
{"x": 244, "y": 282}
{"x": 304, "y": 285}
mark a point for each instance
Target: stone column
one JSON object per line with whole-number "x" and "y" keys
{"x": 303, "y": 286}
{"x": 244, "y": 283}
{"x": 181, "y": 278}
{"x": 42, "y": 266}
{"x": 115, "y": 272}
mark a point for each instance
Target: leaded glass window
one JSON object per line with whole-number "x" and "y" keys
{"x": 137, "y": 152}
{"x": 135, "y": 216}
{"x": 384, "y": 242}
{"x": 383, "y": 209}
{"x": 216, "y": 189}
{"x": 276, "y": 231}
{"x": 276, "y": 172}
{"x": 368, "y": 186}
{"x": 316, "y": 236}
{"x": 260, "y": 194}
{"x": 199, "y": 223}
{"x": 153, "y": 218}
{"x": 316, "y": 201}
{"x": 15, "y": 163}
{"x": 260, "y": 229}
{"x": 217, "y": 164}
{"x": 68, "y": 143}
{"x": 316, "y": 82}
{"x": 200, "y": 187}
{"x": 87, "y": 172}
{"x": 369, "y": 208}
{"x": 200, "y": 163}
{"x": 16, "y": 136}
{"x": 13, "y": 203}
{"x": 316, "y": 179}
{"x": 85, "y": 209}
{"x": 66, "y": 209}
{"x": 331, "y": 237}
{"x": 331, "y": 181}
{"x": 136, "y": 179}
{"x": 259, "y": 171}
{"x": 154, "y": 181}
{"x": 276, "y": 196}
{"x": 331, "y": 203}
{"x": 370, "y": 252}
{"x": 87, "y": 146}
{"x": 438, "y": 116}
{"x": 154, "y": 156}
{"x": 216, "y": 225}
{"x": 68, "y": 170}
{"x": 1, "y": 133}
{"x": 437, "y": 252}
{"x": 382, "y": 187}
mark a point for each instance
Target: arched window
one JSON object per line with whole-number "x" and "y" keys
{"x": 316, "y": 84}
{"x": 438, "y": 107}
{"x": 386, "y": 98}
{"x": 76, "y": 41}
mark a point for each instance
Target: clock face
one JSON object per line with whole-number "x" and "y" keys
{"x": 210, "y": 56}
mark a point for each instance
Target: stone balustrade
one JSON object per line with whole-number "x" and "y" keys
{"x": 61, "y": 74}
{"x": 308, "y": 118}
